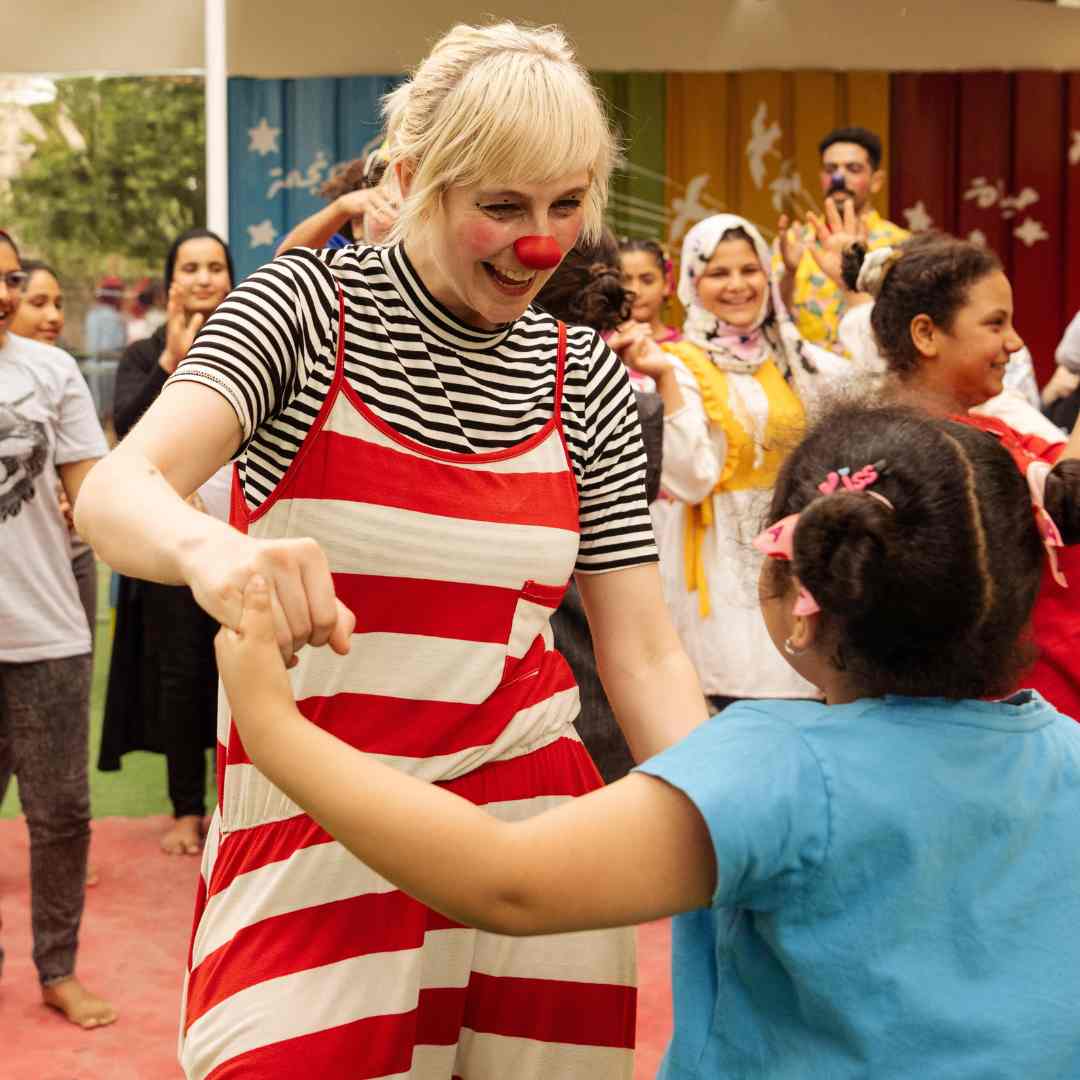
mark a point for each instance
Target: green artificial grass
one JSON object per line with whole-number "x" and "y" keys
{"x": 138, "y": 789}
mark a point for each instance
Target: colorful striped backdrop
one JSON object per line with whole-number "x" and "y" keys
{"x": 992, "y": 155}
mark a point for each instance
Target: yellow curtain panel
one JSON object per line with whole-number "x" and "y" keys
{"x": 747, "y": 142}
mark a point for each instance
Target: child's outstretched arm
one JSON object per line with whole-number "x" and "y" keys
{"x": 631, "y": 852}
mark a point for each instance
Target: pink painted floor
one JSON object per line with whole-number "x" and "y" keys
{"x": 134, "y": 938}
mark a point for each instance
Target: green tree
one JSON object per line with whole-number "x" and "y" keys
{"x": 124, "y": 195}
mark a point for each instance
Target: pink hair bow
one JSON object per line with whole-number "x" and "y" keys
{"x": 1036, "y": 475}
{"x": 778, "y": 542}
{"x": 858, "y": 481}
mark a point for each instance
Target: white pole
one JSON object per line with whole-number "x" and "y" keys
{"x": 217, "y": 119}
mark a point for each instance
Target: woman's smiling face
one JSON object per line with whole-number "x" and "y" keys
{"x": 466, "y": 256}
{"x": 732, "y": 286}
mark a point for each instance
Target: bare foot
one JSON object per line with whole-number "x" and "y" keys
{"x": 77, "y": 1004}
{"x": 185, "y": 837}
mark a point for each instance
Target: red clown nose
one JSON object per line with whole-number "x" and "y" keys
{"x": 538, "y": 252}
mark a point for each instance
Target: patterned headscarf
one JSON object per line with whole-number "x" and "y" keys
{"x": 737, "y": 349}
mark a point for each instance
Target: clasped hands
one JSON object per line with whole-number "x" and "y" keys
{"x": 301, "y": 599}
{"x": 634, "y": 345}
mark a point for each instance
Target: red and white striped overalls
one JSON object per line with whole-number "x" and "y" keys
{"x": 305, "y": 963}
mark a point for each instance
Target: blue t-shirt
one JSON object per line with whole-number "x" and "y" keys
{"x": 898, "y": 892}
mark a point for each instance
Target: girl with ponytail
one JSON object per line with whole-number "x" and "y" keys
{"x": 862, "y": 883}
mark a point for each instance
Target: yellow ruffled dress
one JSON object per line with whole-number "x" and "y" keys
{"x": 722, "y": 454}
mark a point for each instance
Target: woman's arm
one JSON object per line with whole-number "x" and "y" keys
{"x": 631, "y": 852}
{"x": 354, "y": 206}
{"x": 315, "y": 231}
{"x": 649, "y": 680}
{"x": 248, "y": 357}
{"x": 131, "y": 508}
{"x": 132, "y": 511}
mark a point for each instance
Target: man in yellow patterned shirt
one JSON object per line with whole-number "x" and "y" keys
{"x": 850, "y": 170}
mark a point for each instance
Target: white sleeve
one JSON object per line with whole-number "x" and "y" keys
{"x": 1012, "y": 407}
{"x": 1020, "y": 378}
{"x": 694, "y": 449}
{"x": 1068, "y": 352}
{"x": 857, "y": 337}
{"x": 78, "y": 431}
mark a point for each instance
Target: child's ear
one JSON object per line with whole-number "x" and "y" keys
{"x": 804, "y": 632}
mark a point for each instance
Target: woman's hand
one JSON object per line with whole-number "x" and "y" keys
{"x": 181, "y": 329}
{"x": 303, "y": 606}
{"x": 371, "y": 206}
{"x": 833, "y": 235}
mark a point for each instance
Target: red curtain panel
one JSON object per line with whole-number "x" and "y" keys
{"x": 1072, "y": 195}
{"x": 995, "y": 157}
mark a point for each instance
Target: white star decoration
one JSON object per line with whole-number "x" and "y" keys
{"x": 917, "y": 218}
{"x": 263, "y": 234}
{"x": 1031, "y": 232}
{"x": 263, "y": 139}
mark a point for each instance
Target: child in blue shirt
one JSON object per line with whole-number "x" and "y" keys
{"x": 886, "y": 884}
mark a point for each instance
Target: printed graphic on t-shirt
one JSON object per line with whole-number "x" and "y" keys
{"x": 24, "y": 446}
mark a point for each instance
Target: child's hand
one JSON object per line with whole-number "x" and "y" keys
{"x": 249, "y": 662}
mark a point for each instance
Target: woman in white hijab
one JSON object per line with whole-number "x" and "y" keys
{"x": 744, "y": 376}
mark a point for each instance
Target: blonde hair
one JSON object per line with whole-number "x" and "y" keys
{"x": 502, "y": 104}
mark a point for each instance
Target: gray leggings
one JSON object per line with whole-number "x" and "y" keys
{"x": 84, "y": 567}
{"x": 44, "y": 731}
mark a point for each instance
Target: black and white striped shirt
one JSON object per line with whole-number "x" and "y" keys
{"x": 270, "y": 350}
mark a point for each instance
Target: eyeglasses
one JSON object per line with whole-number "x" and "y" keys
{"x": 15, "y": 280}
